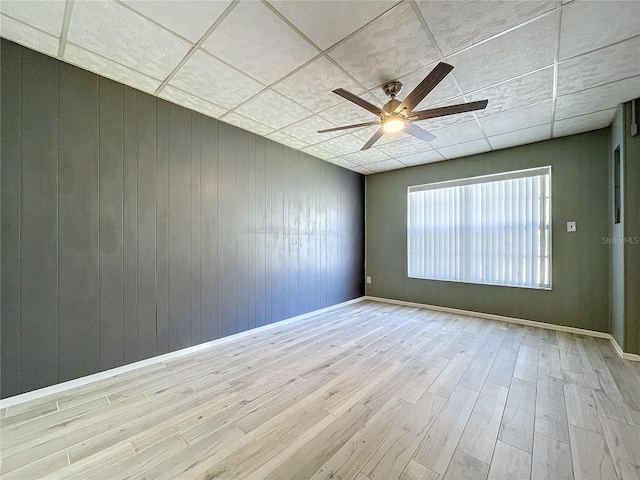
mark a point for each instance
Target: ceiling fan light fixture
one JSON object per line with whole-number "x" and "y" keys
{"x": 393, "y": 124}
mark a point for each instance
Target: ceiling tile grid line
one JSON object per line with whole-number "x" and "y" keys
{"x": 197, "y": 46}
{"x": 556, "y": 57}
{"x": 148, "y": 19}
{"x": 68, "y": 8}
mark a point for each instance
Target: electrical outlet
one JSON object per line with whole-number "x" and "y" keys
{"x": 571, "y": 226}
{"x": 368, "y": 279}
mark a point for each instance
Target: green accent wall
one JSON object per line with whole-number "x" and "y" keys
{"x": 580, "y": 264}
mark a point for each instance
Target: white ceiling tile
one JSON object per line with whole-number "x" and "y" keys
{"x": 110, "y": 69}
{"x": 271, "y": 108}
{"x": 312, "y": 86}
{"x": 421, "y": 158}
{"x": 340, "y": 146}
{"x": 287, "y": 140}
{"x": 214, "y": 81}
{"x": 588, "y": 25}
{"x": 27, "y": 36}
{"x": 385, "y": 166}
{"x": 459, "y": 24}
{"x": 258, "y": 42}
{"x": 406, "y": 144}
{"x": 115, "y": 32}
{"x": 364, "y": 157}
{"x": 583, "y": 123}
{"x": 464, "y": 132}
{"x": 348, "y": 113}
{"x": 517, "y": 119}
{"x": 361, "y": 169}
{"x": 597, "y": 98}
{"x": 391, "y": 46}
{"x": 521, "y": 137}
{"x": 246, "y": 124}
{"x": 342, "y": 162}
{"x": 326, "y": 23}
{"x": 532, "y": 88}
{"x": 43, "y": 15}
{"x": 307, "y": 130}
{"x": 465, "y": 149}
{"x": 318, "y": 152}
{"x": 519, "y": 51}
{"x": 605, "y": 65}
{"x": 174, "y": 95}
{"x": 189, "y": 19}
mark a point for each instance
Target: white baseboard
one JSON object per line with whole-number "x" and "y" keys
{"x": 519, "y": 321}
{"x": 61, "y": 387}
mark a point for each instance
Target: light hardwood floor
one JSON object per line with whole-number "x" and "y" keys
{"x": 370, "y": 391}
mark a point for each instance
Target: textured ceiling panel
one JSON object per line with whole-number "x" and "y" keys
{"x": 517, "y": 119}
{"x": 28, "y": 36}
{"x": 385, "y": 165}
{"x": 271, "y": 108}
{"x": 326, "y": 23}
{"x": 605, "y": 65}
{"x": 504, "y": 51}
{"x": 110, "y": 69}
{"x": 464, "y": 149}
{"x": 512, "y": 139}
{"x": 115, "y": 32}
{"x": 214, "y": 81}
{"x": 459, "y": 24}
{"x": 189, "y": 19}
{"x": 43, "y": 15}
{"x": 391, "y": 46}
{"x": 588, "y": 25}
{"x": 312, "y": 85}
{"x": 517, "y": 52}
{"x": 532, "y": 88}
{"x": 597, "y": 98}
{"x": 190, "y": 101}
{"x": 255, "y": 40}
{"x": 583, "y": 123}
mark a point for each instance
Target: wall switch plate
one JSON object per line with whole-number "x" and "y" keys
{"x": 368, "y": 279}
{"x": 571, "y": 226}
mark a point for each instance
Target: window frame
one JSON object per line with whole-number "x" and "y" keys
{"x": 506, "y": 175}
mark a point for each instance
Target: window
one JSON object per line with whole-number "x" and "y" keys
{"x": 494, "y": 229}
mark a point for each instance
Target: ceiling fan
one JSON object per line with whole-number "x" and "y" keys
{"x": 396, "y": 115}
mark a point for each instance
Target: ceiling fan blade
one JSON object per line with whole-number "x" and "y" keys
{"x": 376, "y": 136}
{"x": 359, "y": 101}
{"x": 367, "y": 124}
{"x": 449, "y": 110}
{"x": 424, "y": 87}
{"x": 418, "y": 132}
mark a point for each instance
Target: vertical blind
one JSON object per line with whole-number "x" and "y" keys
{"x": 494, "y": 229}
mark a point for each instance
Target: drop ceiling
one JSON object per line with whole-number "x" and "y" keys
{"x": 548, "y": 68}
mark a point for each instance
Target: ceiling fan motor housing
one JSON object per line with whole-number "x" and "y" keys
{"x": 392, "y": 89}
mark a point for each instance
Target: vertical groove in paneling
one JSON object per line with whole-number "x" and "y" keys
{"x": 209, "y": 228}
{"x": 162, "y": 227}
{"x": 195, "y": 264}
{"x": 10, "y": 172}
{"x": 78, "y": 221}
{"x": 39, "y": 222}
{"x": 146, "y": 226}
{"x": 130, "y": 225}
{"x": 111, "y": 224}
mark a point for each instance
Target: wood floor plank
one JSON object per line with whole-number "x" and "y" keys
{"x": 623, "y": 442}
{"x": 581, "y": 408}
{"x": 551, "y": 459}
{"x": 517, "y": 424}
{"x": 466, "y": 467}
{"x": 480, "y": 434}
{"x": 526, "y": 367}
{"x": 502, "y": 369}
{"x": 441, "y": 440}
{"x": 446, "y": 382}
{"x": 551, "y": 412}
{"x": 509, "y": 463}
{"x": 417, "y": 471}
{"x": 590, "y": 455}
